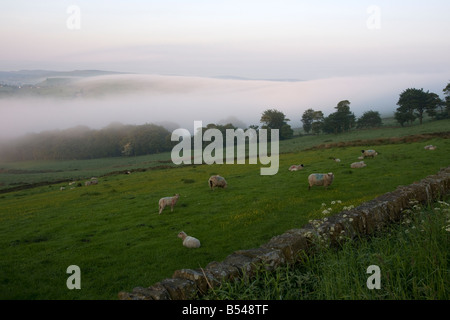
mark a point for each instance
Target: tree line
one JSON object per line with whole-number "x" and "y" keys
{"x": 82, "y": 143}
{"x": 412, "y": 104}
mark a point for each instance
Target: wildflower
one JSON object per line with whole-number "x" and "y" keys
{"x": 325, "y": 212}
{"x": 339, "y": 201}
{"x": 324, "y": 204}
{"x": 333, "y": 202}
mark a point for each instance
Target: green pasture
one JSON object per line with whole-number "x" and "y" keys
{"x": 114, "y": 233}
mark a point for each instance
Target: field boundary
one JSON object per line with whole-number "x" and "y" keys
{"x": 287, "y": 248}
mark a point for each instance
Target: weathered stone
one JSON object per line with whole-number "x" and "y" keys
{"x": 290, "y": 243}
{"x": 179, "y": 289}
{"x": 202, "y": 279}
{"x": 155, "y": 292}
{"x": 222, "y": 271}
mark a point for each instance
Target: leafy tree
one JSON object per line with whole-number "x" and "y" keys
{"x": 370, "y": 119}
{"x": 413, "y": 103}
{"x": 447, "y": 100}
{"x": 318, "y": 120}
{"x": 274, "y": 119}
{"x": 307, "y": 120}
{"x": 340, "y": 121}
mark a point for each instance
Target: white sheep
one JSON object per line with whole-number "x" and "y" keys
{"x": 320, "y": 179}
{"x": 166, "y": 201}
{"x": 369, "y": 153}
{"x": 91, "y": 182}
{"x": 430, "y": 147}
{"x": 296, "y": 167}
{"x": 336, "y": 160}
{"x": 217, "y": 181}
{"x": 359, "y": 164}
{"x": 188, "y": 241}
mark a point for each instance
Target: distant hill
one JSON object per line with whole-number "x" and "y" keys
{"x": 32, "y": 77}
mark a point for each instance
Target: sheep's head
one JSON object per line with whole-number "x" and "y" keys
{"x": 182, "y": 235}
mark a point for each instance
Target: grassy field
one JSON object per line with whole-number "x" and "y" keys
{"x": 113, "y": 232}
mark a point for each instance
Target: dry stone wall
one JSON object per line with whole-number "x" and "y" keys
{"x": 187, "y": 284}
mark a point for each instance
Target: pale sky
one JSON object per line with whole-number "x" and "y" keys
{"x": 249, "y": 38}
{"x": 363, "y": 51}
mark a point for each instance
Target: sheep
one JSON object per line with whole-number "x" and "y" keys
{"x": 163, "y": 202}
{"x": 361, "y": 158}
{"x": 369, "y": 153}
{"x": 430, "y": 147}
{"x": 336, "y": 160}
{"x": 320, "y": 179}
{"x": 359, "y": 164}
{"x": 217, "y": 181}
{"x": 91, "y": 182}
{"x": 188, "y": 241}
{"x": 296, "y": 167}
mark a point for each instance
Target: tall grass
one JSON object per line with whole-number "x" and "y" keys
{"x": 412, "y": 257}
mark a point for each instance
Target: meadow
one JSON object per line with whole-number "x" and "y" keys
{"x": 114, "y": 233}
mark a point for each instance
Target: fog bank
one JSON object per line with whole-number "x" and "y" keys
{"x": 139, "y": 99}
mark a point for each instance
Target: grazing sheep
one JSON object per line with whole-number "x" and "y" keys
{"x": 217, "y": 181}
{"x": 430, "y": 147}
{"x": 188, "y": 241}
{"x": 295, "y": 167}
{"x": 369, "y": 153}
{"x": 320, "y": 179}
{"x": 336, "y": 160}
{"x": 163, "y": 202}
{"x": 359, "y": 164}
{"x": 91, "y": 182}
{"x": 361, "y": 157}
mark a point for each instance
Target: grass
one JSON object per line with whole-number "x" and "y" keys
{"x": 412, "y": 258}
{"x": 113, "y": 232}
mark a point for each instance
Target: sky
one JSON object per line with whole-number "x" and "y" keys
{"x": 387, "y": 43}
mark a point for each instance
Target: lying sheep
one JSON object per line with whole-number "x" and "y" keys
{"x": 217, "y": 181}
{"x": 295, "y": 167}
{"x": 188, "y": 241}
{"x": 359, "y": 164}
{"x": 369, "y": 153}
{"x": 320, "y": 179}
{"x": 163, "y": 202}
{"x": 430, "y": 147}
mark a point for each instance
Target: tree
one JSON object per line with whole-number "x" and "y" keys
{"x": 274, "y": 119}
{"x": 447, "y": 100}
{"x": 340, "y": 121}
{"x": 413, "y": 103}
{"x": 307, "y": 120}
{"x": 317, "y": 124}
{"x": 370, "y": 119}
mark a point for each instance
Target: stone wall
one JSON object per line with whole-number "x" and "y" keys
{"x": 363, "y": 220}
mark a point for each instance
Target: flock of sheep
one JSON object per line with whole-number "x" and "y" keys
{"x": 314, "y": 179}
{"x": 326, "y": 179}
